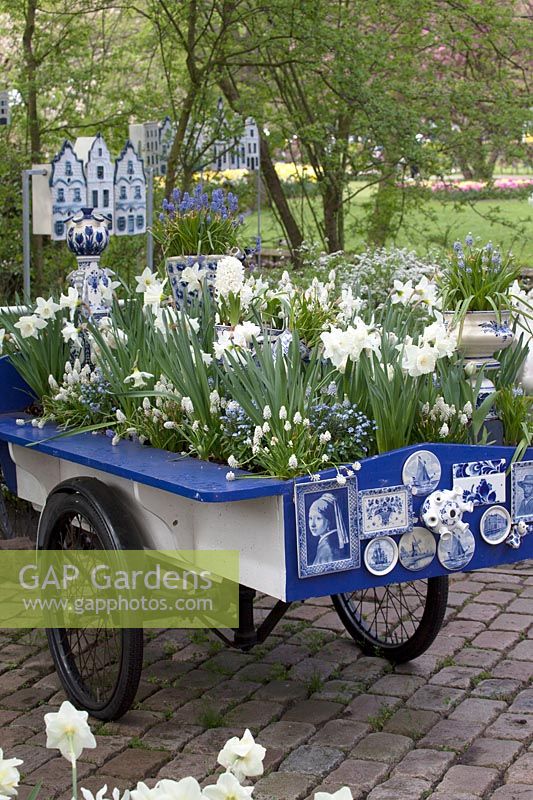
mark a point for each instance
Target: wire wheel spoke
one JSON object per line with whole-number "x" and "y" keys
{"x": 389, "y": 614}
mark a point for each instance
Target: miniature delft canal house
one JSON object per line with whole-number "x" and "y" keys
{"x": 5, "y": 115}
{"x": 85, "y": 176}
{"x": 241, "y": 153}
{"x": 153, "y": 141}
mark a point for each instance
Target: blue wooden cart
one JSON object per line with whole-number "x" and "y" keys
{"x": 93, "y": 495}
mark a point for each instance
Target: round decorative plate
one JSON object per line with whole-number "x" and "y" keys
{"x": 495, "y": 525}
{"x": 417, "y": 549}
{"x": 421, "y": 472}
{"x": 455, "y": 550}
{"x": 381, "y": 555}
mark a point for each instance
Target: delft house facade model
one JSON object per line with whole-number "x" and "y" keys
{"x": 84, "y": 175}
{"x": 241, "y": 153}
{"x": 5, "y": 116}
{"x": 152, "y": 141}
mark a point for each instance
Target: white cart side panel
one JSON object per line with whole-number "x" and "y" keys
{"x": 168, "y": 521}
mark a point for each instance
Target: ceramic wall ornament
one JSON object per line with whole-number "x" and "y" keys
{"x": 481, "y": 482}
{"x": 522, "y": 492}
{"x": 417, "y": 549}
{"x": 442, "y": 512}
{"x": 381, "y": 555}
{"x": 326, "y": 527}
{"x": 421, "y": 472}
{"x": 495, "y": 525}
{"x": 388, "y": 510}
{"x": 456, "y": 548}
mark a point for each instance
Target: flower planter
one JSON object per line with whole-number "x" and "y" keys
{"x": 482, "y": 333}
{"x": 175, "y": 267}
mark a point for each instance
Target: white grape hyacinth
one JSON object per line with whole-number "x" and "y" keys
{"x": 68, "y": 731}
{"x": 229, "y": 276}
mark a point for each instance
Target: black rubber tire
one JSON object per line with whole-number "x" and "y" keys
{"x": 109, "y": 692}
{"x": 417, "y": 612}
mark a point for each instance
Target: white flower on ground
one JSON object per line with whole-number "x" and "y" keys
{"x": 228, "y": 788}
{"x": 71, "y": 300}
{"x": 244, "y": 333}
{"x": 193, "y": 277}
{"x": 146, "y": 279}
{"x": 293, "y": 462}
{"x": 101, "y": 794}
{"x": 30, "y": 325}
{"x": 229, "y": 276}
{"x": 46, "y": 309}
{"x": 230, "y": 476}
{"x": 20, "y": 421}
{"x": 186, "y": 789}
{"x": 243, "y": 757}
{"x": 341, "y": 794}
{"x": 68, "y": 731}
{"x": 9, "y": 775}
{"x": 70, "y": 333}
{"x": 138, "y": 377}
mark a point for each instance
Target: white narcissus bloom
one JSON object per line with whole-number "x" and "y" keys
{"x": 46, "y": 309}
{"x": 30, "y": 325}
{"x": 146, "y": 279}
{"x": 101, "y": 794}
{"x": 403, "y": 292}
{"x": 243, "y": 757}
{"x": 228, "y": 788}
{"x": 68, "y": 731}
{"x": 426, "y": 292}
{"x": 71, "y": 300}
{"x": 9, "y": 775}
{"x": 229, "y": 276}
{"x": 143, "y": 792}
{"x": 185, "y": 789}
{"x": 108, "y": 289}
{"x": 341, "y": 794}
{"x": 138, "y": 377}
{"x": 223, "y": 343}
{"x": 193, "y": 277}
{"x": 154, "y": 294}
{"x": 418, "y": 360}
{"x": 244, "y": 333}
{"x": 71, "y": 334}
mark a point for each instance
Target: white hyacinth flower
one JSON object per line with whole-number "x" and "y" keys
{"x": 293, "y": 462}
{"x": 9, "y": 775}
{"x": 46, "y": 309}
{"x": 229, "y": 276}
{"x": 228, "y": 788}
{"x": 29, "y": 325}
{"x": 121, "y": 417}
{"x": 69, "y": 731}
{"x": 232, "y": 462}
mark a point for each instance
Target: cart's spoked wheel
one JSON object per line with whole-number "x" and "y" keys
{"x": 99, "y": 668}
{"x": 399, "y": 621}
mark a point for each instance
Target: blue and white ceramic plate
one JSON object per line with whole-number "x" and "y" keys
{"x": 417, "y": 549}
{"x": 495, "y": 525}
{"x": 421, "y": 472}
{"x": 455, "y": 550}
{"x": 381, "y": 555}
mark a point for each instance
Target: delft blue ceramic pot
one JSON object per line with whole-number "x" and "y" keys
{"x": 88, "y": 233}
{"x": 175, "y": 266}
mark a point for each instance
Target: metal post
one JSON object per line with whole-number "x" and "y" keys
{"x": 26, "y": 241}
{"x": 150, "y": 219}
{"x": 259, "y": 203}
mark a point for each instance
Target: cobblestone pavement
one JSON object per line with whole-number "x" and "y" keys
{"x": 456, "y": 724}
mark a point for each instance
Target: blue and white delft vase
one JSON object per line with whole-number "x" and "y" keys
{"x": 87, "y": 238}
{"x": 481, "y": 334}
{"x": 175, "y": 266}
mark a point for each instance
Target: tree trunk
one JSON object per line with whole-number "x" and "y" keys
{"x": 34, "y": 127}
{"x": 385, "y": 207}
{"x": 333, "y": 215}
{"x": 174, "y": 157}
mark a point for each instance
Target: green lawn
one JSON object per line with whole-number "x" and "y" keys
{"x": 435, "y": 225}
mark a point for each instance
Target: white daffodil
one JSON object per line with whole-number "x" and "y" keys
{"x": 223, "y": 343}
{"x": 245, "y": 333}
{"x": 107, "y": 289}
{"x": 143, "y": 792}
{"x": 193, "y": 277}
{"x": 30, "y": 325}
{"x": 228, "y": 788}
{"x": 46, "y": 309}
{"x": 146, "y": 279}
{"x": 403, "y": 292}
{"x": 2, "y": 335}
{"x": 243, "y": 757}
{"x": 69, "y": 731}
{"x": 138, "y": 378}
{"x": 101, "y": 794}
{"x": 341, "y": 794}
{"x": 186, "y": 789}
{"x": 9, "y": 775}
{"x": 70, "y": 333}
{"x": 71, "y": 300}
{"x": 154, "y": 294}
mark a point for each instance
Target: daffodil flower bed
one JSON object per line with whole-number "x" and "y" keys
{"x": 282, "y": 381}
{"x": 68, "y": 731}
